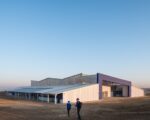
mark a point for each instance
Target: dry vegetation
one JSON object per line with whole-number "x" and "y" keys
{"x": 108, "y": 109}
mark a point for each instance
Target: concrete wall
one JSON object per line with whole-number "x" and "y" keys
{"x": 107, "y": 89}
{"x": 136, "y": 92}
{"x": 89, "y": 93}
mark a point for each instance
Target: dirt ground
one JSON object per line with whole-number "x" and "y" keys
{"x": 108, "y": 109}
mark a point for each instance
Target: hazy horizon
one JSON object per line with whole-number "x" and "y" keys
{"x": 41, "y": 39}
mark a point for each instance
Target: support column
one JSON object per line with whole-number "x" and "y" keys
{"x": 15, "y": 94}
{"x": 29, "y": 96}
{"x": 37, "y": 97}
{"x": 55, "y": 98}
{"x": 25, "y": 97}
{"x": 129, "y": 90}
{"x": 99, "y": 80}
{"x": 42, "y": 97}
{"x": 48, "y": 98}
{"x": 18, "y": 95}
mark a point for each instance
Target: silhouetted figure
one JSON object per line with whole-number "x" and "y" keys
{"x": 78, "y": 105}
{"x": 68, "y": 108}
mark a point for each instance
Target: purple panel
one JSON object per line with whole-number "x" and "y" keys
{"x": 101, "y": 77}
{"x": 99, "y": 80}
{"x": 129, "y": 90}
{"x": 115, "y": 80}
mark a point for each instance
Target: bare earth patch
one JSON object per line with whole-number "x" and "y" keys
{"x": 108, "y": 109}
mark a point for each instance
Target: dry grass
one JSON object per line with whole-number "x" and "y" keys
{"x": 108, "y": 109}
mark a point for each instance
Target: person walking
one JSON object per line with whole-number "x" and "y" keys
{"x": 68, "y": 108}
{"x": 78, "y": 106}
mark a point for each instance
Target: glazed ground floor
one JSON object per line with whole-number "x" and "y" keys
{"x": 85, "y": 93}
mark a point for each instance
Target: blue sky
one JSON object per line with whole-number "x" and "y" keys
{"x": 58, "y": 38}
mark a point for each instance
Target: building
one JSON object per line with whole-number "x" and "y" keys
{"x": 86, "y": 87}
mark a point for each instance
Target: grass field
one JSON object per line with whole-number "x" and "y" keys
{"x": 108, "y": 109}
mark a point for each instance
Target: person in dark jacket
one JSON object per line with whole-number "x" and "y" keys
{"x": 68, "y": 108}
{"x": 78, "y": 106}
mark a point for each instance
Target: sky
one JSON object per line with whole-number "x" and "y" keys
{"x": 59, "y": 38}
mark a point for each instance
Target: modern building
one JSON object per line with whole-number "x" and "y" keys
{"x": 86, "y": 87}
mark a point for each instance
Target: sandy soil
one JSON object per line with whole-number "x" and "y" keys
{"x": 108, "y": 109}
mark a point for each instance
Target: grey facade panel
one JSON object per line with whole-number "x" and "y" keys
{"x": 77, "y": 79}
